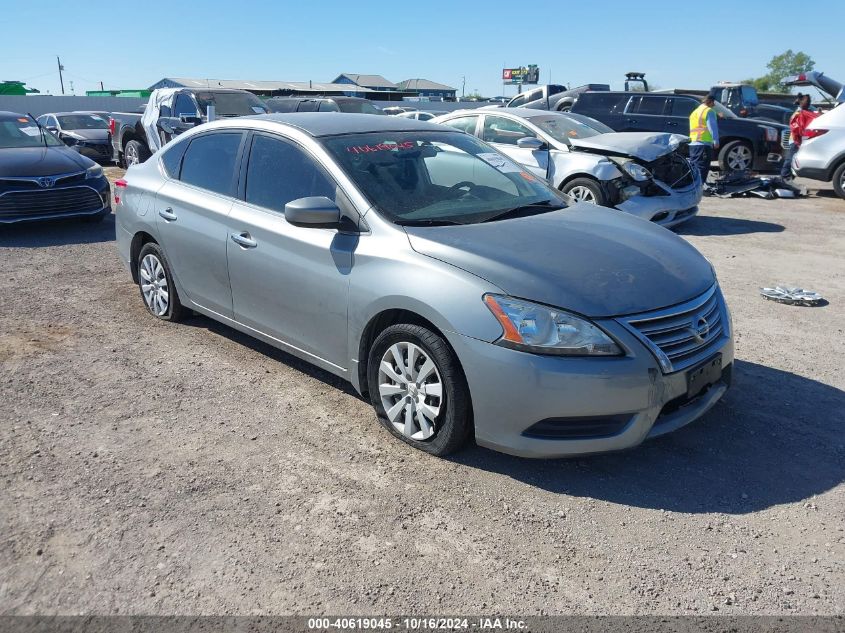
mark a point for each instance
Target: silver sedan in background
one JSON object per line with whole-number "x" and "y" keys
{"x": 450, "y": 286}
{"x": 642, "y": 173}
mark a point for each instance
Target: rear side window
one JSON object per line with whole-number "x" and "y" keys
{"x": 171, "y": 158}
{"x": 280, "y": 171}
{"x": 464, "y": 123}
{"x": 683, "y": 107}
{"x": 209, "y": 162}
{"x": 307, "y": 106}
{"x": 602, "y": 102}
{"x": 498, "y": 129}
{"x": 328, "y": 106}
{"x": 651, "y": 105}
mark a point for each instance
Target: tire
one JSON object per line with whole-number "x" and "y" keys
{"x": 166, "y": 307}
{"x": 566, "y": 107}
{"x": 735, "y": 153}
{"x": 585, "y": 190}
{"x": 839, "y": 181}
{"x": 439, "y": 434}
{"x": 134, "y": 153}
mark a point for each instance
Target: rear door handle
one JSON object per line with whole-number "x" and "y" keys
{"x": 167, "y": 214}
{"x": 243, "y": 239}
{"x": 671, "y": 124}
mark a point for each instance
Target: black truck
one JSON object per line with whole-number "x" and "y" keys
{"x": 744, "y": 143}
{"x": 182, "y": 110}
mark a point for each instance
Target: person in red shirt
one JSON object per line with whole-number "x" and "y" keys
{"x": 798, "y": 122}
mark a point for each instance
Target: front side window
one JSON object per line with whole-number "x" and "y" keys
{"x": 209, "y": 161}
{"x": 438, "y": 177}
{"x": 307, "y": 106}
{"x": 231, "y": 103}
{"x": 184, "y": 106}
{"x": 683, "y": 107}
{"x": 498, "y": 129}
{"x": 518, "y": 101}
{"x": 24, "y": 132}
{"x": 280, "y": 171}
{"x": 328, "y": 106}
{"x": 652, "y": 105}
{"x": 464, "y": 124}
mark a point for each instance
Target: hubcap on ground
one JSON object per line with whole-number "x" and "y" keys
{"x": 739, "y": 157}
{"x": 582, "y": 194}
{"x": 411, "y": 390}
{"x": 154, "y": 285}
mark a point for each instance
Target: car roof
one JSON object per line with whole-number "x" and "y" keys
{"x": 335, "y": 123}
{"x": 520, "y": 113}
{"x": 72, "y": 112}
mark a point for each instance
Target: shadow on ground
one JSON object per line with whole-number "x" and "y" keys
{"x": 57, "y": 233}
{"x": 713, "y": 225}
{"x": 776, "y": 438}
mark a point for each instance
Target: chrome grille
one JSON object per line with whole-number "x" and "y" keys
{"x": 50, "y": 202}
{"x": 784, "y": 139}
{"x": 681, "y": 336}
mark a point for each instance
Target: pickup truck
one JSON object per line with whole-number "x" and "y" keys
{"x": 745, "y": 143}
{"x": 168, "y": 113}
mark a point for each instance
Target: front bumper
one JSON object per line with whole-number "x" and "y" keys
{"x": 678, "y": 205}
{"x": 512, "y": 391}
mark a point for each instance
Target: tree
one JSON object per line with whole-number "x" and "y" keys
{"x": 786, "y": 64}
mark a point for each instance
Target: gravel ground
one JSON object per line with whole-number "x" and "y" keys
{"x": 159, "y": 469}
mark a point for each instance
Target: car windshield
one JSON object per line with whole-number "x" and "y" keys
{"x": 563, "y": 128}
{"x": 359, "y": 107}
{"x": 24, "y": 132}
{"x": 231, "y": 103}
{"x": 82, "y": 122}
{"x": 723, "y": 112}
{"x": 438, "y": 177}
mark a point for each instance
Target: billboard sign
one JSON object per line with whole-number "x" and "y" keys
{"x": 524, "y": 75}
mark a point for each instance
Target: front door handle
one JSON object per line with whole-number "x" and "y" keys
{"x": 167, "y": 214}
{"x": 243, "y": 239}
{"x": 671, "y": 124}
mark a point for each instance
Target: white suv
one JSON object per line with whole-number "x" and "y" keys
{"x": 822, "y": 152}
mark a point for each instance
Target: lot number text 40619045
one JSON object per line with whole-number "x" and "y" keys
{"x": 416, "y": 624}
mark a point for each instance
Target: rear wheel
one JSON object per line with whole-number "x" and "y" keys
{"x": 839, "y": 181}
{"x": 418, "y": 389}
{"x": 736, "y": 156}
{"x": 135, "y": 153}
{"x": 585, "y": 190}
{"x": 156, "y": 284}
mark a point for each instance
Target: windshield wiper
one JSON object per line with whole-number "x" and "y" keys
{"x": 427, "y": 222}
{"x": 546, "y": 205}
{"x": 40, "y": 129}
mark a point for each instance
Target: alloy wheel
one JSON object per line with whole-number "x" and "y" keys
{"x": 411, "y": 390}
{"x": 739, "y": 158}
{"x": 131, "y": 157}
{"x": 582, "y": 194}
{"x": 154, "y": 285}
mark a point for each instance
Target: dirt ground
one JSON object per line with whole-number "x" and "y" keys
{"x": 160, "y": 469}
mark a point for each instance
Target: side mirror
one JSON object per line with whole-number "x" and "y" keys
{"x": 313, "y": 211}
{"x": 530, "y": 142}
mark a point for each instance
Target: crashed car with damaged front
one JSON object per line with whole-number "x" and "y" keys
{"x": 641, "y": 173}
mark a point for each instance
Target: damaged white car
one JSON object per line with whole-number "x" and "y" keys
{"x": 642, "y": 173}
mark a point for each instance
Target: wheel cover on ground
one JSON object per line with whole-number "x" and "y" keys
{"x": 582, "y": 194}
{"x": 154, "y": 285}
{"x": 739, "y": 157}
{"x": 411, "y": 390}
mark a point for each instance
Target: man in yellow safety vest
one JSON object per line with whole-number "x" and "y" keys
{"x": 704, "y": 136}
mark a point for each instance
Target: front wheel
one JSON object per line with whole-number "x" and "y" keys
{"x": 156, "y": 284}
{"x": 585, "y": 190}
{"x": 736, "y": 156}
{"x": 839, "y": 181}
{"x": 418, "y": 389}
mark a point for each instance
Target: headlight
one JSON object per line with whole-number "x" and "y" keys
{"x": 95, "y": 171}
{"x": 636, "y": 171}
{"x": 771, "y": 133}
{"x": 535, "y": 328}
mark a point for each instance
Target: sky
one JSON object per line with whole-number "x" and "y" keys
{"x": 462, "y": 44}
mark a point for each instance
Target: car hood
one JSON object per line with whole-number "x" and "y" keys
{"x": 88, "y": 135}
{"x": 593, "y": 261}
{"x": 41, "y": 161}
{"x": 647, "y": 146}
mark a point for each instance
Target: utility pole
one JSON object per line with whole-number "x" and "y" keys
{"x": 61, "y": 68}
{"x": 464, "y": 86}
{"x": 101, "y": 87}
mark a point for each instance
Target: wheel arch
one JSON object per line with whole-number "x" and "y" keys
{"x": 138, "y": 241}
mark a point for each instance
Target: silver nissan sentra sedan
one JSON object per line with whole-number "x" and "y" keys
{"x": 455, "y": 290}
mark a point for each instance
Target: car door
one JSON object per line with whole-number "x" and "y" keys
{"x": 680, "y": 109}
{"x": 503, "y": 134}
{"x": 288, "y": 282}
{"x": 645, "y": 114}
{"x": 192, "y": 217}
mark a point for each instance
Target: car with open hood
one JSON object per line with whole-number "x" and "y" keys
{"x": 450, "y": 286}
{"x": 84, "y": 132}
{"x": 644, "y": 174}
{"x": 41, "y": 178}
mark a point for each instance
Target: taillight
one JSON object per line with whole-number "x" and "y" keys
{"x": 119, "y": 184}
{"x": 813, "y": 133}
{"x": 111, "y": 126}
